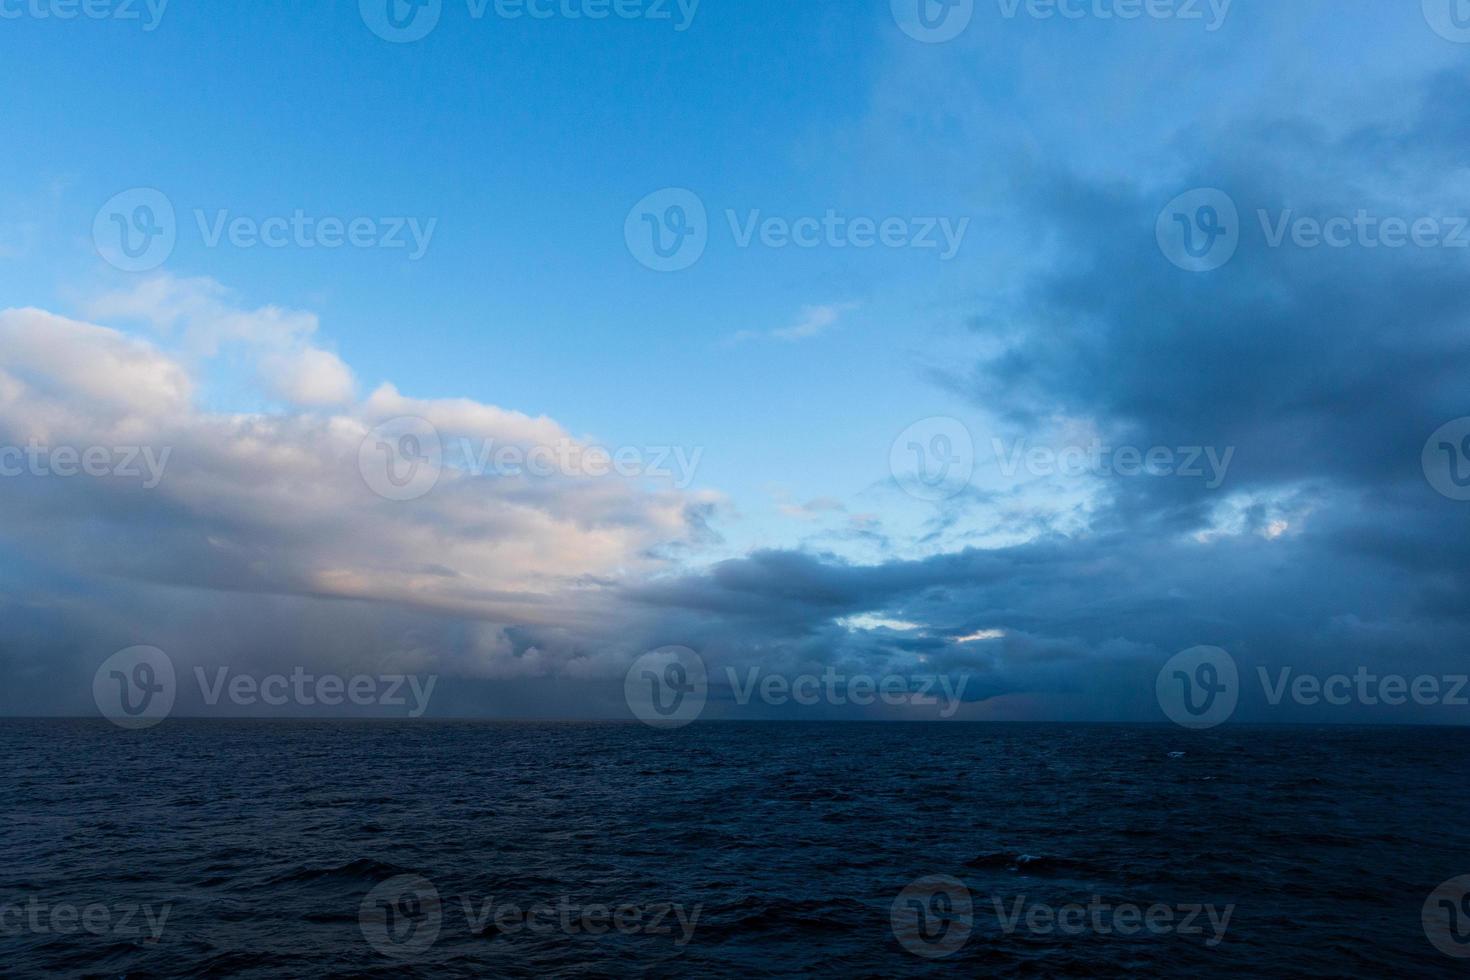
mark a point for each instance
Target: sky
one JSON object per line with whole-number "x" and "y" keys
{"x": 1026, "y": 344}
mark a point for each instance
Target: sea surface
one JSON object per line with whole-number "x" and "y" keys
{"x": 280, "y": 849}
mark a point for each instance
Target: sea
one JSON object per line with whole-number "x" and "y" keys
{"x": 474, "y": 849}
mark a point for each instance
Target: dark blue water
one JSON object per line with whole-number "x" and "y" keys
{"x": 784, "y": 848}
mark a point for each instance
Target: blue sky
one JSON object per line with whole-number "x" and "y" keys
{"x": 528, "y": 142}
{"x": 1047, "y": 144}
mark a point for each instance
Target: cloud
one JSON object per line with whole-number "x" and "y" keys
{"x": 204, "y": 319}
{"x": 67, "y": 372}
{"x": 204, "y": 316}
{"x": 466, "y": 416}
{"x": 310, "y": 378}
{"x": 812, "y": 322}
{"x": 257, "y": 505}
{"x": 813, "y": 509}
{"x": 1324, "y": 369}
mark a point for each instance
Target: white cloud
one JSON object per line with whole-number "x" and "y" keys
{"x": 204, "y": 316}
{"x": 106, "y": 372}
{"x": 868, "y": 621}
{"x": 812, "y": 509}
{"x": 464, "y": 416}
{"x": 813, "y": 321}
{"x": 276, "y": 503}
{"x": 310, "y": 378}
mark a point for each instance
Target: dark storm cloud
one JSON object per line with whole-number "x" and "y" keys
{"x": 1321, "y": 364}
{"x": 1326, "y": 369}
